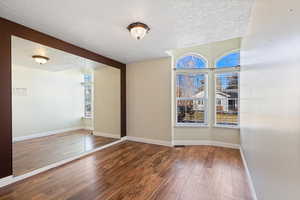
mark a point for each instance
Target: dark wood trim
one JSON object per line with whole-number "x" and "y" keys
{"x": 123, "y": 102}
{"x": 9, "y": 28}
{"x": 5, "y": 105}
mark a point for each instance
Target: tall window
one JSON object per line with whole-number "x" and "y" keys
{"x": 87, "y": 84}
{"x": 227, "y": 90}
{"x": 192, "y": 76}
{"x": 191, "y": 90}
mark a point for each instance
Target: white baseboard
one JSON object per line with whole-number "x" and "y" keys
{"x": 124, "y": 138}
{"x": 150, "y": 141}
{"x": 183, "y": 142}
{"x": 206, "y": 142}
{"x": 6, "y": 181}
{"x": 47, "y": 133}
{"x": 96, "y": 133}
{"x": 253, "y": 192}
{"x": 11, "y": 179}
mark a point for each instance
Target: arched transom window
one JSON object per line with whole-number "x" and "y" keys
{"x": 191, "y": 62}
{"x": 229, "y": 60}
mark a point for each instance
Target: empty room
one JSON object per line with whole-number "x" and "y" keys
{"x": 149, "y": 100}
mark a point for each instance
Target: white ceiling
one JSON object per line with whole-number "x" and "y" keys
{"x": 23, "y": 50}
{"x": 100, "y": 26}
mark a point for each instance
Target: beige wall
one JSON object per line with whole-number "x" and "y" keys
{"x": 149, "y": 99}
{"x": 270, "y": 99}
{"x": 107, "y": 101}
{"x": 53, "y": 101}
{"x": 211, "y": 52}
{"x": 226, "y": 135}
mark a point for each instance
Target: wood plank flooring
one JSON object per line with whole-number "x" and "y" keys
{"x": 136, "y": 171}
{"x": 35, "y": 153}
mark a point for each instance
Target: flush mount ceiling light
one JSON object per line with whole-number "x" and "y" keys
{"x": 138, "y": 30}
{"x": 40, "y": 59}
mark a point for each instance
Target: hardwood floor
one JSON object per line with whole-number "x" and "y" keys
{"x": 136, "y": 171}
{"x": 35, "y": 153}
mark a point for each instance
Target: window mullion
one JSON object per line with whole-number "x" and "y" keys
{"x": 210, "y": 108}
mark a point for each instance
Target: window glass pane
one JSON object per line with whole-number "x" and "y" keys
{"x": 191, "y": 98}
{"x": 230, "y": 60}
{"x": 227, "y": 98}
{"x": 190, "y": 85}
{"x": 191, "y": 111}
{"x": 191, "y": 62}
{"x": 87, "y": 78}
{"x": 88, "y": 100}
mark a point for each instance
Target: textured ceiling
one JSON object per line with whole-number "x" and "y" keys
{"x": 100, "y": 26}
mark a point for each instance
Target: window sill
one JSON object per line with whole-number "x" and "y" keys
{"x": 86, "y": 117}
{"x": 224, "y": 126}
{"x": 191, "y": 126}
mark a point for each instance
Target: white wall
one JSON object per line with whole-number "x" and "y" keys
{"x": 88, "y": 123}
{"x": 211, "y": 52}
{"x": 270, "y": 99}
{"x": 107, "y": 101}
{"x": 54, "y": 100}
{"x": 149, "y": 99}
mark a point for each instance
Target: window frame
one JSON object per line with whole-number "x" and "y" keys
{"x": 215, "y": 73}
{"x": 233, "y": 69}
{"x": 194, "y": 71}
{"x": 210, "y": 70}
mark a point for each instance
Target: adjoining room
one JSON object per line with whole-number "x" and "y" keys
{"x": 62, "y": 105}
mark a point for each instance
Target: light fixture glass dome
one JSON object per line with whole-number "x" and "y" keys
{"x": 138, "y": 30}
{"x": 40, "y": 59}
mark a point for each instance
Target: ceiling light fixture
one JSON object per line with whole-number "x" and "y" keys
{"x": 138, "y": 30}
{"x": 40, "y": 59}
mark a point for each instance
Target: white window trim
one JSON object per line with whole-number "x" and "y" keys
{"x": 226, "y": 126}
{"x": 221, "y": 71}
{"x": 191, "y": 125}
{"x": 84, "y": 117}
{"x": 193, "y": 71}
